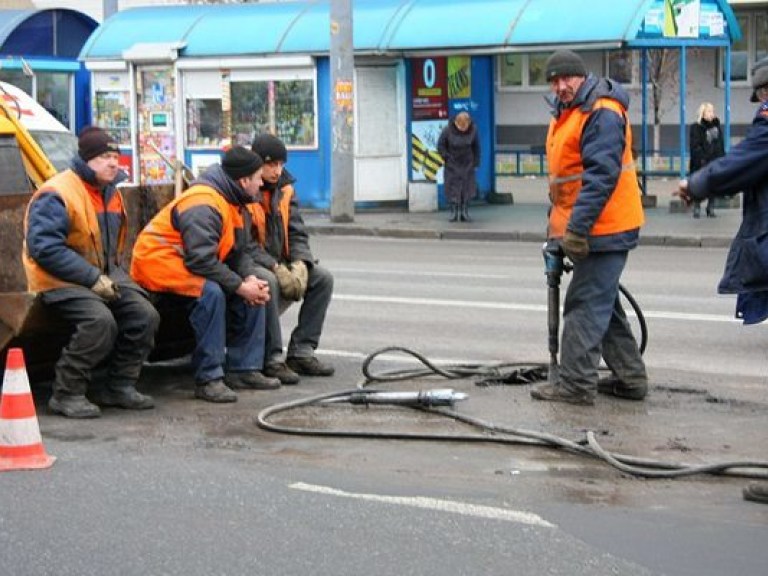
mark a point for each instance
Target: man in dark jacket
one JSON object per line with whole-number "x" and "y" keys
{"x": 193, "y": 250}
{"x": 744, "y": 169}
{"x": 74, "y": 233}
{"x": 595, "y": 217}
{"x": 283, "y": 257}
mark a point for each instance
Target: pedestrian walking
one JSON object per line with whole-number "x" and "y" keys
{"x": 596, "y": 215}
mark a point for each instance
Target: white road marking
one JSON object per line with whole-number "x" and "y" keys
{"x": 450, "y": 506}
{"x": 649, "y": 314}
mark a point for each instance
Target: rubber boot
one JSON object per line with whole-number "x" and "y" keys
{"x": 465, "y": 212}
{"x": 454, "y": 212}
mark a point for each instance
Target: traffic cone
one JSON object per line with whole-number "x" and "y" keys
{"x": 21, "y": 446}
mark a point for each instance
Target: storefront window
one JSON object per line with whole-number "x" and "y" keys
{"x": 281, "y": 107}
{"x": 511, "y": 70}
{"x": 112, "y": 112}
{"x": 523, "y": 70}
{"x": 205, "y": 122}
{"x": 18, "y": 79}
{"x": 53, "y": 94}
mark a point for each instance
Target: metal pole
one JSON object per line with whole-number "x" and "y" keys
{"x": 342, "y": 106}
{"x": 683, "y": 125}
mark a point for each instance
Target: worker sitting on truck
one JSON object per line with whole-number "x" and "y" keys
{"x": 74, "y": 233}
{"x": 193, "y": 252}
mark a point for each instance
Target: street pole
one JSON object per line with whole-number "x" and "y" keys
{"x": 342, "y": 99}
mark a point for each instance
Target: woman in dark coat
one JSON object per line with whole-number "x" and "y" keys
{"x": 459, "y": 147}
{"x": 707, "y": 143}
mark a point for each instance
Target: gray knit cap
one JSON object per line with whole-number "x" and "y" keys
{"x": 564, "y": 63}
{"x": 759, "y": 77}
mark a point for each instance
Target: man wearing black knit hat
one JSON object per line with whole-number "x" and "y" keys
{"x": 74, "y": 234}
{"x": 284, "y": 259}
{"x": 595, "y": 221}
{"x": 193, "y": 251}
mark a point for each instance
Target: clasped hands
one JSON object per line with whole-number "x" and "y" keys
{"x": 254, "y": 291}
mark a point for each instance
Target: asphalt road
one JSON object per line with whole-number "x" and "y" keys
{"x": 197, "y": 489}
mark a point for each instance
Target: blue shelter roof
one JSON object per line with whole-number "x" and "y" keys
{"x": 392, "y": 26}
{"x": 57, "y": 32}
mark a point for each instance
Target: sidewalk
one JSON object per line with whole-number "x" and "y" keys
{"x": 525, "y": 220}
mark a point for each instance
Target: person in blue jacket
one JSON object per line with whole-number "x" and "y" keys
{"x": 744, "y": 169}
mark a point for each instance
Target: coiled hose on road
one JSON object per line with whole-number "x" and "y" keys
{"x": 520, "y": 373}
{"x": 500, "y": 373}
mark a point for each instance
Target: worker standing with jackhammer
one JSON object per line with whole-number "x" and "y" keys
{"x": 595, "y": 217}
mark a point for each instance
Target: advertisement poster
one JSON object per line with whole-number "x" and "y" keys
{"x": 681, "y": 18}
{"x": 429, "y": 89}
{"x": 426, "y": 163}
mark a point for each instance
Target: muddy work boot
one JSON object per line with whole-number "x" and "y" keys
{"x": 73, "y": 406}
{"x": 552, "y": 393}
{"x": 128, "y": 398}
{"x": 215, "y": 391}
{"x": 757, "y": 492}
{"x": 612, "y": 386}
{"x": 281, "y": 371}
{"x": 253, "y": 380}
{"x": 310, "y": 366}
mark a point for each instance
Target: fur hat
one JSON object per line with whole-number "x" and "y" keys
{"x": 270, "y": 148}
{"x": 759, "y": 77}
{"x": 95, "y": 141}
{"x": 564, "y": 63}
{"x": 239, "y": 162}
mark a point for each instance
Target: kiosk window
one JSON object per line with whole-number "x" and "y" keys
{"x": 285, "y": 108}
{"x": 205, "y": 123}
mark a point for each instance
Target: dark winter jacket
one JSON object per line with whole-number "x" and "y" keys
{"x": 48, "y": 228}
{"x": 744, "y": 169}
{"x": 297, "y": 242}
{"x": 603, "y": 142}
{"x": 707, "y": 143}
{"x": 461, "y": 153}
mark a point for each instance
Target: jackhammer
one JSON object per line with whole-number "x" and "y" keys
{"x": 554, "y": 266}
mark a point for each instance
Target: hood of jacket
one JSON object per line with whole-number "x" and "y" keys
{"x": 216, "y": 178}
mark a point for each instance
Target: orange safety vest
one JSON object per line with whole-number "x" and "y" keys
{"x": 80, "y": 200}
{"x": 623, "y": 210}
{"x": 158, "y": 254}
{"x": 259, "y": 211}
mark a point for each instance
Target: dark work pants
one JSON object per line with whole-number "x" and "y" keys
{"x": 306, "y": 336}
{"x": 229, "y": 334}
{"x": 594, "y": 324}
{"x": 122, "y": 331}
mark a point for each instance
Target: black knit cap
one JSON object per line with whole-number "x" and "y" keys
{"x": 239, "y": 162}
{"x": 564, "y": 63}
{"x": 95, "y": 141}
{"x": 270, "y": 148}
{"x": 759, "y": 77}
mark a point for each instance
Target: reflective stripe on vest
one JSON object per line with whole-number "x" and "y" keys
{"x": 623, "y": 210}
{"x": 84, "y": 235}
{"x": 158, "y": 254}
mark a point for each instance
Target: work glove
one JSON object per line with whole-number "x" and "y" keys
{"x": 575, "y": 246}
{"x": 301, "y": 273}
{"x": 290, "y": 286}
{"x": 106, "y": 289}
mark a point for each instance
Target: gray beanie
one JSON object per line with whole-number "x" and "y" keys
{"x": 564, "y": 63}
{"x": 759, "y": 77}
